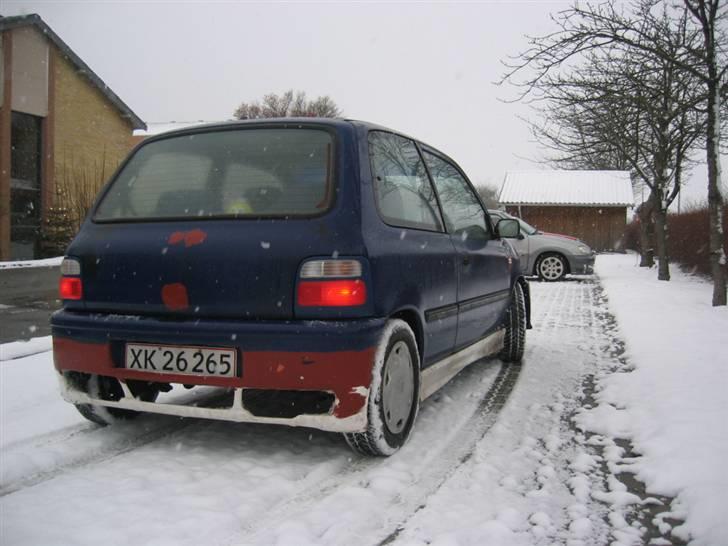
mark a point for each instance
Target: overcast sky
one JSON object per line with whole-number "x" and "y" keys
{"x": 427, "y": 69}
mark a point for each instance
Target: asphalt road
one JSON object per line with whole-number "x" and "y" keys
{"x": 28, "y": 296}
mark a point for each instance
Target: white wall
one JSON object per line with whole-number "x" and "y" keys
{"x": 30, "y": 72}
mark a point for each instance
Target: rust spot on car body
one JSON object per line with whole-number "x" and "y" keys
{"x": 190, "y": 238}
{"x": 195, "y": 237}
{"x": 174, "y": 296}
{"x": 176, "y": 237}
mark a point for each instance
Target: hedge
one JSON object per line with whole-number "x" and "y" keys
{"x": 687, "y": 239}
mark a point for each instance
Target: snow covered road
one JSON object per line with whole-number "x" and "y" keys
{"x": 496, "y": 458}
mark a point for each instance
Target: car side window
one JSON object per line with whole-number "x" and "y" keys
{"x": 462, "y": 210}
{"x": 402, "y": 189}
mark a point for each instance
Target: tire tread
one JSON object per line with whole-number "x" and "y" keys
{"x": 514, "y": 343}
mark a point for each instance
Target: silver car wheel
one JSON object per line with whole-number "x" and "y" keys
{"x": 551, "y": 268}
{"x": 397, "y": 387}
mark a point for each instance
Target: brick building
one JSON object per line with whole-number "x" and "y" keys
{"x": 61, "y": 126}
{"x": 590, "y": 205}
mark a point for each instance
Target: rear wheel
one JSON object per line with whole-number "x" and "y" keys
{"x": 515, "y": 325}
{"x": 394, "y": 394}
{"x": 109, "y": 388}
{"x": 551, "y": 267}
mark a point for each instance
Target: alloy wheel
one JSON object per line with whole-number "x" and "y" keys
{"x": 551, "y": 268}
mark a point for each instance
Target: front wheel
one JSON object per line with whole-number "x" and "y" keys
{"x": 394, "y": 394}
{"x": 551, "y": 267}
{"x": 514, "y": 342}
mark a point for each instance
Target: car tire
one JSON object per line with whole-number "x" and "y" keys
{"x": 108, "y": 388}
{"x": 551, "y": 267}
{"x": 514, "y": 342}
{"x": 393, "y": 399}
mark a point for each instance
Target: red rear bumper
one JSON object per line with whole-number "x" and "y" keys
{"x": 346, "y": 374}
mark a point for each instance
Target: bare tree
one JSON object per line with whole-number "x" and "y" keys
{"x": 662, "y": 33}
{"x": 488, "y": 195}
{"x": 711, "y": 66}
{"x": 323, "y": 107}
{"x": 288, "y": 104}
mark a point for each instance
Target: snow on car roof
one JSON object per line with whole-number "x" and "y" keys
{"x": 587, "y": 188}
{"x": 157, "y": 127}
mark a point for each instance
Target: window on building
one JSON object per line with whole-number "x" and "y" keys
{"x": 25, "y": 185}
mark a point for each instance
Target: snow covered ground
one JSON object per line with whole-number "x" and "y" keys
{"x": 674, "y": 404}
{"x": 47, "y": 262}
{"x": 543, "y": 453}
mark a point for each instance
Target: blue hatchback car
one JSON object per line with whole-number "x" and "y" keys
{"x": 321, "y": 273}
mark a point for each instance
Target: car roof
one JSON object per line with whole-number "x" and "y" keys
{"x": 286, "y": 122}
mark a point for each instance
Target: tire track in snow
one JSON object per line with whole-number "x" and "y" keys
{"x": 84, "y": 445}
{"x": 120, "y": 445}
{"x": 485, "y": 417}
{"x": 525, "y": 463}
{"x": 432, "y": 471}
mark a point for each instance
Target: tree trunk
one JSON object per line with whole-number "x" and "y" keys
{"x": 715, "y": 198}
{"x": 661, "y": 236}
{"x": 647, "y": 253}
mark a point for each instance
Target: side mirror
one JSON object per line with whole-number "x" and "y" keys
{"x": 508, "y": 228}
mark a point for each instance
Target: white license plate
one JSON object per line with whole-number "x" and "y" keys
{"x": 181, "y": 360}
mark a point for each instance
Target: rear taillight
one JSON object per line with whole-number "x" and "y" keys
{"x": 70, "y": 267}
{"x": 70, "y": 286}
{"x": 321, "y": 284}
{"x": 346, "y": 293}
{"x": 330, "y": 268}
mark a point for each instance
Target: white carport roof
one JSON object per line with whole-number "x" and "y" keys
{"x": 584, "y": 188}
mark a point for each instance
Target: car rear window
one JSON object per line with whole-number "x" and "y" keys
{"x": 265, "y": 172}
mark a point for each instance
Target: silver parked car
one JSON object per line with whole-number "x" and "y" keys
{"x": 549, "y": 255}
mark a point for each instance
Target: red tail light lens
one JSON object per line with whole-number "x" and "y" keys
{"x": 341, "y": 293}
{"x": 71, "y": 288}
